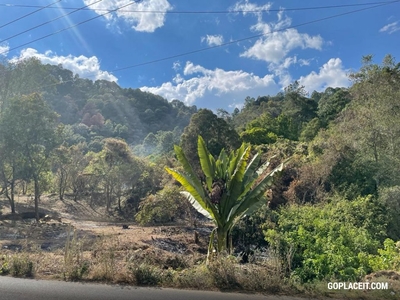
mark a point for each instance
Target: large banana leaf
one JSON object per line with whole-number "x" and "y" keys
{"x": 186, "y": 166}
{"x": 222, "y": 162}
{"x": 198, "y": 206}
{"x": 250, "y": 174}
{"x": 196, "y": 191}
{"x": 205, "y": 162}
{"x": 235, "y": 184}
{"x": 241, "y": 194}
{"x": 256, "y": 194}
{"x": 234, "y": 158}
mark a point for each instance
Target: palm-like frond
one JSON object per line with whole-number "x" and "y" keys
{"x": 231, "y": 191}
{"x": 185, "y": 164}
{"x": 206, "y": 162}
{"x": 198, "y": 206}
{"x": 196, "y": 191}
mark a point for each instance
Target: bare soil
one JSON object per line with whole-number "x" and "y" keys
{"x": 91, "y": 226}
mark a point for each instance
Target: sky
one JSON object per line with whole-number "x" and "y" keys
{"x": 212, "y": 54}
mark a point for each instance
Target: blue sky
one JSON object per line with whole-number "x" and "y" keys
{"x": 319, "y": 54}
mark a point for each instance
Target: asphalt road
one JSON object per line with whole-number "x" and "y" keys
{"x": 29, "y": 289}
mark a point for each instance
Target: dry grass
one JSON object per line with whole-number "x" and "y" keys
{"x": 167, "y": 256}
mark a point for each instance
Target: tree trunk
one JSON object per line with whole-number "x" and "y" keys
{"x": 108, "y": 200}
{"x": 37, "y": 195}
{"x": 10, "y": 196}
{"x": 119, "y": 204}
{"x": 24, "y": 187}
{"x": 62, "y": 183}
{"x": 10, "y": 193}
{"x": 223, "y": 240}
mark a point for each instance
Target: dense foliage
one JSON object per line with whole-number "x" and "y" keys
{"x": 233, "y": 187}
{"x": 329, "y": 241}
{"x": 332, "y": 214}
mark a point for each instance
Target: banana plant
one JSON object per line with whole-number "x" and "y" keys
{"x": 234, "y": 187}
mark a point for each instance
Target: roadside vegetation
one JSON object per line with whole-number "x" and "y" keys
{"x": 284, "y": 195}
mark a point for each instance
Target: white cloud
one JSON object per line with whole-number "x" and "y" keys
{"x": 216, "y": 86}
{"x": 140, "y": 21}
{"x": 250, "y": 8}
{"x": 275, "y": 47}
{"x": 277, "y": 42}
{"x": 176, "y": 66}
{"x": 86, "y": 67}
{"x": 213, "y": 40}
{"x": 331, "y": 74}
{"x": 390, "y": 28}
{"x": 4, "y": 47}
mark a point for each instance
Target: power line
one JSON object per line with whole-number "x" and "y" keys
{"x": 31, "y": 13}
{"x": 64, "y": 29}
{"x": 252, "y": 37}
{"x": 236, "y": 41}
{"x": 52, "y": 20}
{"x": 208, "y": 12}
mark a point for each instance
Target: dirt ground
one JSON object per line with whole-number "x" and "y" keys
{"x": 91, "y": 226}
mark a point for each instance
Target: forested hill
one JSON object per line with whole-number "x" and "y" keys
{"x": 94, "y": 110}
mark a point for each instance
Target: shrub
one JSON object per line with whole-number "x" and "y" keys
{"x": 223, "y": 270}
{"x": 164, "y": 207}
{"x": 21, "y": 266}
{"x": 197, "y": 277}
{"x": 75, "y": 267}
{"x": 329, "y": 241}
{"x": 390, "y": 198}
{"x": 4, "y": 265}
{"x": 248, "y": 233}
{"x": 146, "y": 274}
{"x": 388, "y": 258}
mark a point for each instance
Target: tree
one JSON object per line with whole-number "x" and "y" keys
{"x": 369, "y": 124}
{"x": 216, "y": 133}
{"x": 68, "y": 164}
{"x": 120, "y": 173}
{"x": 114, "y": 165}
{"x": 22, "y": 77}
{"x": 10, "y": 165}
{"x": 298, "y": 107}
{"x": 331, "y": 103}
{"x": 258, "y": 136}
{"x": 232, "y": 189}
{"x": 28, "y": 127}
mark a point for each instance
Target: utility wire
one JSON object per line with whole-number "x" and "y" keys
{"x": 52, "y": 20}
{"x": 64, "y": 29}
{"x": 252, "y": 37}
{"x": 31, "y": 13}
{"x": 235, "y": 41}
{"x": 214, "y": 12}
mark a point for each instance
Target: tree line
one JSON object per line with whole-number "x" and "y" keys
{"x": 108, "y": 146}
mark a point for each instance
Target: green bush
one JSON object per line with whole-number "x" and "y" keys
{"x": 197, "y": 277}
{"x": 77, "y": 271}
{"x": 21, "y": 266}
{"x": 4, "y": 265}
{"x": 166, "y": 206}
{"x": 390, "y": 198}
{"x": 329, "y": 241}
{"x": 248, "y": 232}
{"x": 388, "y": 258}
{"x": 223, "y": 270}
{"x": 146, "y": 274}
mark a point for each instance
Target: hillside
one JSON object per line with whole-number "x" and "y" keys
{"x": 296, "y": 188}
{"x": 93, "y": 110}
